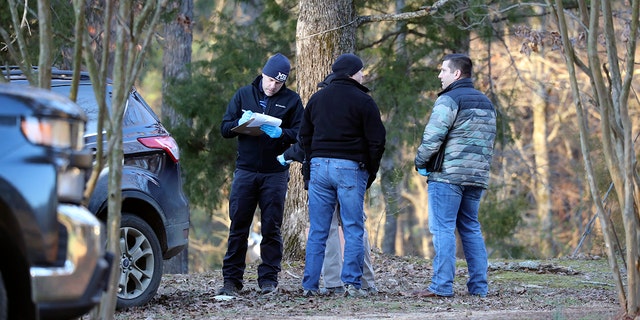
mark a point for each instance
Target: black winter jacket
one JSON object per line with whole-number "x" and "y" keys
{"x": 258, "y": 153}
{"x": 342, "y": 121}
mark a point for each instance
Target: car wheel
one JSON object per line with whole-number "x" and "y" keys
{"x": 3, "y": 300}
{"x": 140, "y": 263}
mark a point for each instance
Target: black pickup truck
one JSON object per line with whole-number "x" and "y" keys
{"x": 54, "y": 265}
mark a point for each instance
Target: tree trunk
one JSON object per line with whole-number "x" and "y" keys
{"x": 46, "y": 34}
{"x": 392, "y": 210}
{"x": 116, "y": 157}
{"x": 176, "y": 57}
{"x": 97, "y": 28}
{"x": 130, "y": 45}
{"x": 325, "y": 30}
{"x": 542, "y": 181}
{"x": 390, "y": 185}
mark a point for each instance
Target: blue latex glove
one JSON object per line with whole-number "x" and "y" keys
{"x": 282, "y": 160}
{"x": 245, "y": 117}
{"x": 423, "y": 172}
{"x": 271, "y": 131}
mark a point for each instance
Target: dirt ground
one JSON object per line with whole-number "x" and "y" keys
{"x": 580, "y": 288}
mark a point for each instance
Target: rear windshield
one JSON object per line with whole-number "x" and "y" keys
{"x": 87, "y": 101}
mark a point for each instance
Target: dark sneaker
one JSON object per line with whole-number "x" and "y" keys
{"x": 371, "y": 290}
{"x": 268, "y": 288}
{"x": 228, "y": 289}
{"x": 310, "y": 293}
{"x": 351, "y": 291}
{"x": 334, "y": 290}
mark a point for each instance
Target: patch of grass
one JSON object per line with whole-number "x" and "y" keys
{"x": 588, "y": 274}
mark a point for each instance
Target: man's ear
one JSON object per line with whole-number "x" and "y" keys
{"x": 457, "y": 74}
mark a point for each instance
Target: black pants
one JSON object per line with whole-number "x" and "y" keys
{"x": 248, "y": 191}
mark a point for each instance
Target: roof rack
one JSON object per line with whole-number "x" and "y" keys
{"x": 56, "y": 74}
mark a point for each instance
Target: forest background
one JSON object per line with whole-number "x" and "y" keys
{"x": 538, "y": 204}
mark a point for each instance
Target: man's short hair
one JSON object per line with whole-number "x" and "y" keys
{"x": 462, "y": 62}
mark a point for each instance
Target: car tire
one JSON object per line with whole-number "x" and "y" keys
{"x": 3, "y": 300}
{"x": 140, "y": 263}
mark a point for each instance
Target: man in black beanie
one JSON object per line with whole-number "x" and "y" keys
{"x": 332, "y": 265}
{"x": 259, "y": 179}
{"x": 347, "y": 64}
{"x": 343, "y": 137}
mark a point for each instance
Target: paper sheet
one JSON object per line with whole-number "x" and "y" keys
{"x": 252, "y": 127}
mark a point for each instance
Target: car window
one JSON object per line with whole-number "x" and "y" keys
{"x": 137, "y": 112}
{"x": 86, "y": 100}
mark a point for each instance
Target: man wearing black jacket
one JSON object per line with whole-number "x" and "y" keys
{"x": 343, "y": 137}
{"x": 332, "y": 265}
{"x": 259, "y": 179}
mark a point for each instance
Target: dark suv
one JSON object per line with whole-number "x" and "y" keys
{"x": 155, "y": 210}
{"x": 54, "y": 265}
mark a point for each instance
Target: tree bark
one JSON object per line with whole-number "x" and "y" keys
{"x": 542, "y": 182}
{"x": 98, "y": 28}
{"x": 176, "y": 56}
{"x": 46, "y": 34}
{"x": 325, "y": 29}
{"x": 133, "y": 35}
{"x": 391, "y": 210}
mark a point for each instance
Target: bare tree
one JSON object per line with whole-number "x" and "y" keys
{"x": 611, "y": 91}
{"x": 21, "y": 55}
{"x": 134, "y": 27}
{"x": 541, "y": 184}
{"x": 134, "y": 30}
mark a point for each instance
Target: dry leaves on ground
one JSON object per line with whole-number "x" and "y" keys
{"x": 560, "y": 289}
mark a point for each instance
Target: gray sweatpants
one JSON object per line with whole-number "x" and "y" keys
{"x": 332, "y": 266}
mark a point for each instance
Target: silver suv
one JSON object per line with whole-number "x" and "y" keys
{"x": 54, "y": 265}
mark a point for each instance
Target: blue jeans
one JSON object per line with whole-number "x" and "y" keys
{"x": 335, "y": 181}
{"x": 453, "y": 206}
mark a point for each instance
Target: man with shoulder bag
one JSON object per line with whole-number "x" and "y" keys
{"x": 463, "y": 126}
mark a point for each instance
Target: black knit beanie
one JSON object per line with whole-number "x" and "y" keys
{"x": 348, "y": 64}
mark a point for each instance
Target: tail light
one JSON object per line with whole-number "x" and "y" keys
{"x": 166, "y": 143}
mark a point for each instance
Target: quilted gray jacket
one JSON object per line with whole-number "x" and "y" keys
{"x": 469, "y": 147}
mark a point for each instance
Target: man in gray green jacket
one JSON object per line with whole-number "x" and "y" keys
{"x": 463, "y": 121}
